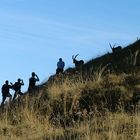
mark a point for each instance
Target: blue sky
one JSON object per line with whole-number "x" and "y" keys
{"x": 35, "y": 33}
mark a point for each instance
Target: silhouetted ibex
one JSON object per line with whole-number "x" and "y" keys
{"x": 78, "y": 63}
{"x": 115, "y": 49}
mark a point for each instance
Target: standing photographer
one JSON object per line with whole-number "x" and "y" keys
{"x": 32, "y": 83}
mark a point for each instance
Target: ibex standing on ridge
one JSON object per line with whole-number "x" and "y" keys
{"x": 78, "y": 63}
{"x": 115, "y": 49}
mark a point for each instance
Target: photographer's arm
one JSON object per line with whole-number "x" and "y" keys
{"x": 37, "y": 79}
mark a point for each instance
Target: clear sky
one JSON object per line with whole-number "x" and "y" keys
{"x": 34, "y": 34}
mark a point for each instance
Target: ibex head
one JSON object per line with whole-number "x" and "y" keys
{"x": 74, "y": 58}
{"x": 78, "y": 63}
{"x": 115, "y": 49}
{"x": 112, "y": 47}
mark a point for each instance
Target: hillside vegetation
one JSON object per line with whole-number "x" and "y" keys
{"x": 99, "y": 101}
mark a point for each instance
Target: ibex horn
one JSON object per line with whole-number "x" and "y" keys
{"x": 114, "y": 45}
{"x": 110, "y": 45}
{"x": 76, "y": 55}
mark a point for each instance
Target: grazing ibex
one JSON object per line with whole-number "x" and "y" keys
{"x": 78, "y": 63}
{"x": 115, "y": 49}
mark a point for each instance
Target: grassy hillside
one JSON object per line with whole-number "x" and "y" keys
{"x": 99, "y": 101}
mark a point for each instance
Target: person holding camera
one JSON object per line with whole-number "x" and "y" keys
{"x": 32, "y": 83}
{"x": 17, "y": 88}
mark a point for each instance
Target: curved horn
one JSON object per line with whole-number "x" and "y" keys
{"x": 72, "y": 56}
{"x": 110, "y": 45}
{"x": 76, "y": 55}
{"x": 114, "y": 45}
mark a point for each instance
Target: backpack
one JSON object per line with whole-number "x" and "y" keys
{"x": 15, "y": 86}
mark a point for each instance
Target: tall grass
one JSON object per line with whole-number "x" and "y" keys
{"x": 75, "y": 108}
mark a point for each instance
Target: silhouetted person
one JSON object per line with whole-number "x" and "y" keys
{"x": 60, "y": 66}
{"x": 17, "y": 88}
{"x": 6, "y": 91}
{"x": 32, "y": 83}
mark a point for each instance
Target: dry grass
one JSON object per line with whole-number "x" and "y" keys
{"x": 76, "y": 109}
{"x": 116, "y": 126}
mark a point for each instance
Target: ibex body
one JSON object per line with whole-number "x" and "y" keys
{"x": 115, "y": 49}
{"x": 78, "y": 63}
